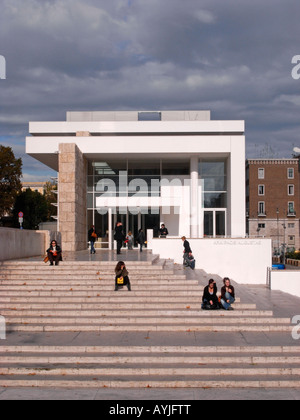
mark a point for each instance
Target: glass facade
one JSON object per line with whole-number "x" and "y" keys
{"x": 142, "y": 177}
{"x": 213, "y": 174}
{"x": 129, "y": 177}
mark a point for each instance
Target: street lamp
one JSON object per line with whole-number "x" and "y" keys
{"x": 277, "y": 212}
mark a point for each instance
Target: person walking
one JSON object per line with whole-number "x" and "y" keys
{"x": 92, "y": 235}
{"x": 122, "y": 276}
{"x": 186, "y": 251}
{"x": 141, "y": 239}
{"x": 119, "y": 236}
{"x": 227, "y": 295}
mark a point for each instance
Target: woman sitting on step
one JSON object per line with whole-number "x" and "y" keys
{"x": 210, "y": 299}
{"x": 227, "y": 295}
{"x": 122, "y": 278}
{"x": 54, "y": 253}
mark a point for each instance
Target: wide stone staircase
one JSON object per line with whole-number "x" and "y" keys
{"x": 79, "y": 297}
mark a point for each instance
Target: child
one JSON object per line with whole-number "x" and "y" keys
{"x": 129, "y": 240}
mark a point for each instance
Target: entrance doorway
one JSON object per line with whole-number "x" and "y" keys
{"x": 215, "y": 223}
{"x": 135, "y": 222}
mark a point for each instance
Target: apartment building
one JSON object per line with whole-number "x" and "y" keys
{"x": 273, "y": 201}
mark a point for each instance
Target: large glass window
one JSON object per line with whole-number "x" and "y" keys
{"x": 214, "y": 177}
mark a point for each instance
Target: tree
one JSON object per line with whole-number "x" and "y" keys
{"x": 51, "y": 197}
{"x": 34, "y": 206}
{"x": 10, "y": 179}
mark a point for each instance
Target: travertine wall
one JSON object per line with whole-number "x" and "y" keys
{"x": 72, "y": 197}
{"x": 21, "y": 243}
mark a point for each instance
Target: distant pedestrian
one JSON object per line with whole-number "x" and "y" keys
{"x": 130, "y": 240}
{"x": 141, "y": 239}
{"x": 186, "y": 251}
{"x": 119, "y": 236}
{"x": 163, "y": 231}
{"x": 92, "y": 235}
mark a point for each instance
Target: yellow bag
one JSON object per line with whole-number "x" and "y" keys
{"x": 120, "y": 281}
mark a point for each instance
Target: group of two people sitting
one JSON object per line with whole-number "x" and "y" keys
{"x": 211, "y": 301}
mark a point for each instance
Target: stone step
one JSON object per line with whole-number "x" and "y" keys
{"x": 108, "y": 292}
{"x": 146, "y": 320}
{"x": 112, "y": 298}
{"x": 85, "y": 279}
{"x": 84, "y": 367}
{"x": 111, "y": 306}
{"x": 148, "y": 371}
{"x": 97, "y": 288}
{"x": 141, "y": 312}
{"x": 121, "y": 299}
{"x": 137, "y": 384}
{"x": 32, "y": 265}
{"x": 186, "y": 351}
{"x": 151, "y": 328}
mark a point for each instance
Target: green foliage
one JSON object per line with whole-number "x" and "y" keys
{"x": 10, "y": 179}
{"x": 293, "y": 255}
{"x": 35, "y": 208}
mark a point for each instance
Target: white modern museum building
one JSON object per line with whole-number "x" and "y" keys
{"x": 179, "y": 168}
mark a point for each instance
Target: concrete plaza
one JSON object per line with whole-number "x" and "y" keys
{"x": 282, "y": 305}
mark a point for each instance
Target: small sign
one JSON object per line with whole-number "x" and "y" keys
{"x": 21, "y": 214}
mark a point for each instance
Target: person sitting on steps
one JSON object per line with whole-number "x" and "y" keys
{"x": 227, "y": 295}
{"x": 122, "y": 276}
{"x": 54, "y": 253}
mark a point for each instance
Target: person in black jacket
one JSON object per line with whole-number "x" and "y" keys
{"x": 54, "y": 253}
{"x": 141, "y": 239}
{"x": 119, "y": 236}
{"x": 186, "y": 252}
{"x": 163, "y": 231}
{"x": 210, "y": 299}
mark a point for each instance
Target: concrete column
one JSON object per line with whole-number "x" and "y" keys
{"x": 72, "y": 186}
{"x": 194, "y": 197}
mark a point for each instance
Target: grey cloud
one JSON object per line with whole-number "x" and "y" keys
{"x": 231, "y": 57}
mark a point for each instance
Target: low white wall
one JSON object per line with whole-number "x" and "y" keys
{"x": 20, "y": 243}
{"x": 243, "y": 260}
{"x": 286, "y": 281}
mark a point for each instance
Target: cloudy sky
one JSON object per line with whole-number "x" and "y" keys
{"x": 233, "y": 57}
